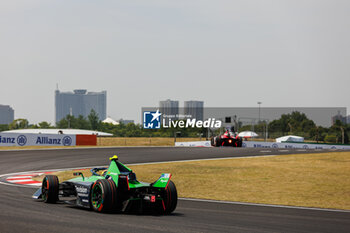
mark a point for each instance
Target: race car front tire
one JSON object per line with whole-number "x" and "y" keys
{"x": 103, "y": 197}
{"x": 49, "y": 189}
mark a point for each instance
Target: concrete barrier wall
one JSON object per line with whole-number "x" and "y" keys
{"x": 16, "y": 139}
{"x": 194, "y": 144}
{"x": 286, "y": 145}
{"x": 255, "y": 144}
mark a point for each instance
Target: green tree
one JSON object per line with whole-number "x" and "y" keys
{"x": 294, "y": 123}
{"x": 337, "y": 129}
{"x": 331, "y": 138}
{"x": 44, "y": 125}
{"x": 73, "y": 123}
{"x": 64, "y": 123}
{"x": 4, "y": 127}
{"x": 19, "y": 124}
{"x": 81, "y": 123}
{"x": 94, "y": 119}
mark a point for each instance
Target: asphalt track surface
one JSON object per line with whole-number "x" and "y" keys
{"x": 20, "y": 213}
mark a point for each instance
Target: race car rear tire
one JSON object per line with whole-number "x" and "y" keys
{"x": 103, "y": 197}
{"x": 218, "y": 141}
{"x": 49, "y": 189}
{"x": 169, "y": 198}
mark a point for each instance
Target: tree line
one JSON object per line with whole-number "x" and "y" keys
{"x": 295, "y": 123}
{"x": 92, "y": 122}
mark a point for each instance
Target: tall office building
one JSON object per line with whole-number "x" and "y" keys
{"x": 169, "y": 108}
{"x": 195, "y": 109}
{"x": 80, "y": 102}
{"x": 7, "y": 114}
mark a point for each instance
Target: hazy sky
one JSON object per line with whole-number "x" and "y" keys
{"x": 227, "y": 53}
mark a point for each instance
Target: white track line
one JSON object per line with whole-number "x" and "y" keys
{"x": 89, "y": 147}
{"x": 19, "y": 181}
{"x": 18, "y": 177}
{"x": 197, "y": 160}
{"x": 263, "y": 205}
{"x": 131, "y": 164}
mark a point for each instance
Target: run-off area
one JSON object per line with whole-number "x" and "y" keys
{"x": 310, "y": 180}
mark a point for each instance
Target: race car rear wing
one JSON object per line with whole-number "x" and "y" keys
{"x": 162, "y": 181}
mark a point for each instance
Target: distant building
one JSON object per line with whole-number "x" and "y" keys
{"x": 109, "y": 120}
{"x": 169, "y": 108}
{"x": 195, "y": 109}
{"x": 339, "y": 117}
{"x": 7, "y": 114}
{"x": 348, "y": 119}
{"x": 80, "y": 102}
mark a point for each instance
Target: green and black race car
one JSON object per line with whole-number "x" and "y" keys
{"x": 117, "y": 189}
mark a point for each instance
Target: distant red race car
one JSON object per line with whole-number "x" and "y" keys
{"x": 227, "y": 139}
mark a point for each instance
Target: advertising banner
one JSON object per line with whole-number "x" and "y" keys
{"x": 16, "y": 139}
{"x": 283, "y": 145}
{"x": 286, "y": 145}
{"x": 194, "y": 144}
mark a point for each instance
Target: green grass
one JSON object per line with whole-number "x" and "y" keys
{"x": 311, "y": 180}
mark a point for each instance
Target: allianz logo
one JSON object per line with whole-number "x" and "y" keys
{"x": 47, "y": 140}
{"x": 7, "y": 140}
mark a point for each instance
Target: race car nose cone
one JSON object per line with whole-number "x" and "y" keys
{"x": 115, "y": 157}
